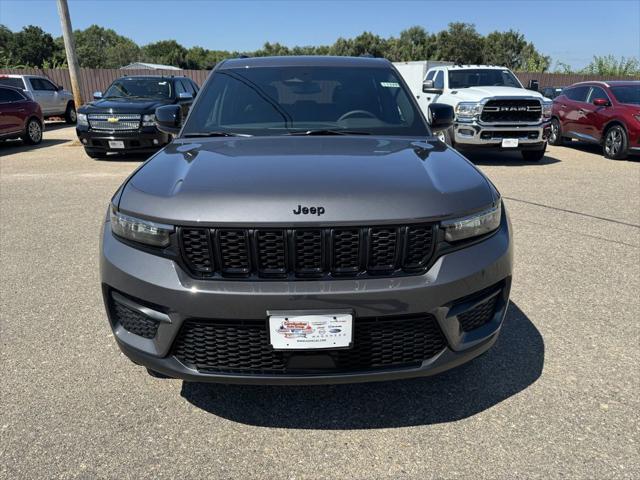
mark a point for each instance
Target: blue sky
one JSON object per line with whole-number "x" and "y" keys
{"x": 571, "y": 31}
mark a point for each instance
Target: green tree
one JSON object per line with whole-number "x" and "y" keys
{"x": 611, "y": 65}
{"x": 413, "y": 44}
{"x": 99, "y": 47}
{"x": 6, "y": 44}
{"x": 504, "y": 49}
{"x": 532, "y": 60}
{"x": 166, "y": 52}
{"x": 460, "y": 43}
{"x": 29, "y": 47}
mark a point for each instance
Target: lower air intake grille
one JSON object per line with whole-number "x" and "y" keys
{"x": 306, "y": 252}
{"x": 243, "y": 347}
{"x": 478, "y": 315}
{"x": 132, "y": 320}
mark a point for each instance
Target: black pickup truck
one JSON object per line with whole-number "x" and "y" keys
{"x": 122, "y": 119}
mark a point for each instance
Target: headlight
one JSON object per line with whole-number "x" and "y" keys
{"x": 468, "y": 110}
{"x": 141, "y": 231}
{"x": 82, "y": 119}
{"x": 473, "y": 225}
{"x": 546, "y": 109}
{"x": 148, "y": 120}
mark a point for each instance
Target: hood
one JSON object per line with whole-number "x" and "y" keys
{"x": 124, "y": 105}
{"x": 475, "y": 94}
{"x": 263, "y": 180}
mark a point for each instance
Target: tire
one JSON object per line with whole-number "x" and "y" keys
{"x": 533, "y": 155}
{"x": 95, "y": 153}
{"x": 555, "y": 137}
{"x": 33, "y": 132}
{"x": 70, "y": 115}
{"x": 616, "y": 143}
{"x": 446, "y": 136}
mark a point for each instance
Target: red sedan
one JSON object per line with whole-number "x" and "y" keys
{"x": 20, "y": 117}
{"x": 606, "y": 113}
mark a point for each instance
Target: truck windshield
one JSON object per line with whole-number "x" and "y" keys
{"x": 140, "y": 87}
{"x": 627, "y": 93}
{"x": 305, "y": 100}
{"x": 482, "y": 77}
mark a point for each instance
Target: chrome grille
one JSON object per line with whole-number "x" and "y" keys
{"x": 511, "y": 110}
{"x": 114, "y": 122}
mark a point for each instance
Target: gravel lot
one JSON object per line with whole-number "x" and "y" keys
{"x": 558, "y": 396}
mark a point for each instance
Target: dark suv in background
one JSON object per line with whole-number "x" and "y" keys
{"x": 305, "y": 226}
{"x": 606, "y": 113}
{"x": 122, "y": 119}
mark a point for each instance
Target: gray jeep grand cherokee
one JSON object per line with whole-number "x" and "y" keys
{"x": 305, "y": 226}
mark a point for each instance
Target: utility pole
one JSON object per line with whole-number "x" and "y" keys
{"x": 70, "y": 49}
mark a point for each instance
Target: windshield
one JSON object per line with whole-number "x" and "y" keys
{"x": 299, "y": 100}
{"x": 140, "y": 87}
{"x": 12, "y": 82}
{"x": 479, "y": 77}
{"x": 627, "y": 93}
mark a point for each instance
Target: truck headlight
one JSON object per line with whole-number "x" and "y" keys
{"x": 547, "y": 107}
{"x": 82, "y": 119}
{"x": 141, "y": 231}
{"x": 148, "y": 120}
{"x": 468, "y": 110}
{"x": 473, "y": 225}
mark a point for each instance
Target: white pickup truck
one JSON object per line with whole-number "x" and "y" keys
{"x": 493, "y": 110}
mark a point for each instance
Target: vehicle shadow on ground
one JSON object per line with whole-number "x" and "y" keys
{"x": 17, "y": 146}
{"x": 507, "y": 159}
{"x": 515, "y": 362}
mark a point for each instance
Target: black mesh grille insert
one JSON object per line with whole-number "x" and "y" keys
{"x": 243, "y": 346}
{"x": 271, "y": 252}
{"x": 197, "y": 249}
{"x": 132, "y": 320}
{"x": 511, "y": 110}
{"x": 346, "y": 250}
{"x": 306, "y": 252}
{"x": 234, "y": 251}
{"x": 478, "y": 315}
{"x": 419, "y": 246}
{"x": 383, "y": 249}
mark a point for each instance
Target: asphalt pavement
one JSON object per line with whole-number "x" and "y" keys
{"x": 557, "y": 397}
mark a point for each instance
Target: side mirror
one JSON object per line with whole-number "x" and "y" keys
{"x": 601, "y": 102}
{"x": 428, "y": 87}
{"x": 533, "y": 85}
{"x": 441, "y": 116}
{"x": 169, "y": 119}
{"x": 60, "y": 88}
{"x": 97, "y": 95}
{"x": 185, "y": 96}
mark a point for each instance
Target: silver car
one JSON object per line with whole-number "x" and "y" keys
{"x": 53, "y": 99}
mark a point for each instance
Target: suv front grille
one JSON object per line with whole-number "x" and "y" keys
{"x": 114, "y": 122}
{"x": 306, "y": 252}
{"x": 225, "y": 346}
{"x": 511, "y": 110}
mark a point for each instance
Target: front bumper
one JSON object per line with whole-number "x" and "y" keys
{"x": 145, "y": 139}
{"x": 473, "y": 134}
{"x": 160, "y": 283}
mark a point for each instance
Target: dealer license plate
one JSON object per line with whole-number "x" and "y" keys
{"x": 509, "y": 142}
{"x": 310, "y": 331}
{"x": 116, "y": 144}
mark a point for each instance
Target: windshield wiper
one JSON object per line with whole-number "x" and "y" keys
{"x": 216, "y": 134}
{"x": 327, "y": 131}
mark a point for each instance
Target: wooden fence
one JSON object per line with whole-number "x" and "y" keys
{"x": 92, "y": 80}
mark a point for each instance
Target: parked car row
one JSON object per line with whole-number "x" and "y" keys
{"x": 53, "y": 99}
{"x": 493, "y": 110}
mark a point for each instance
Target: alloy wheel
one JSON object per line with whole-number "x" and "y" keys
{"x": 35, "y": 132}
{"x": 613, "y": 142}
